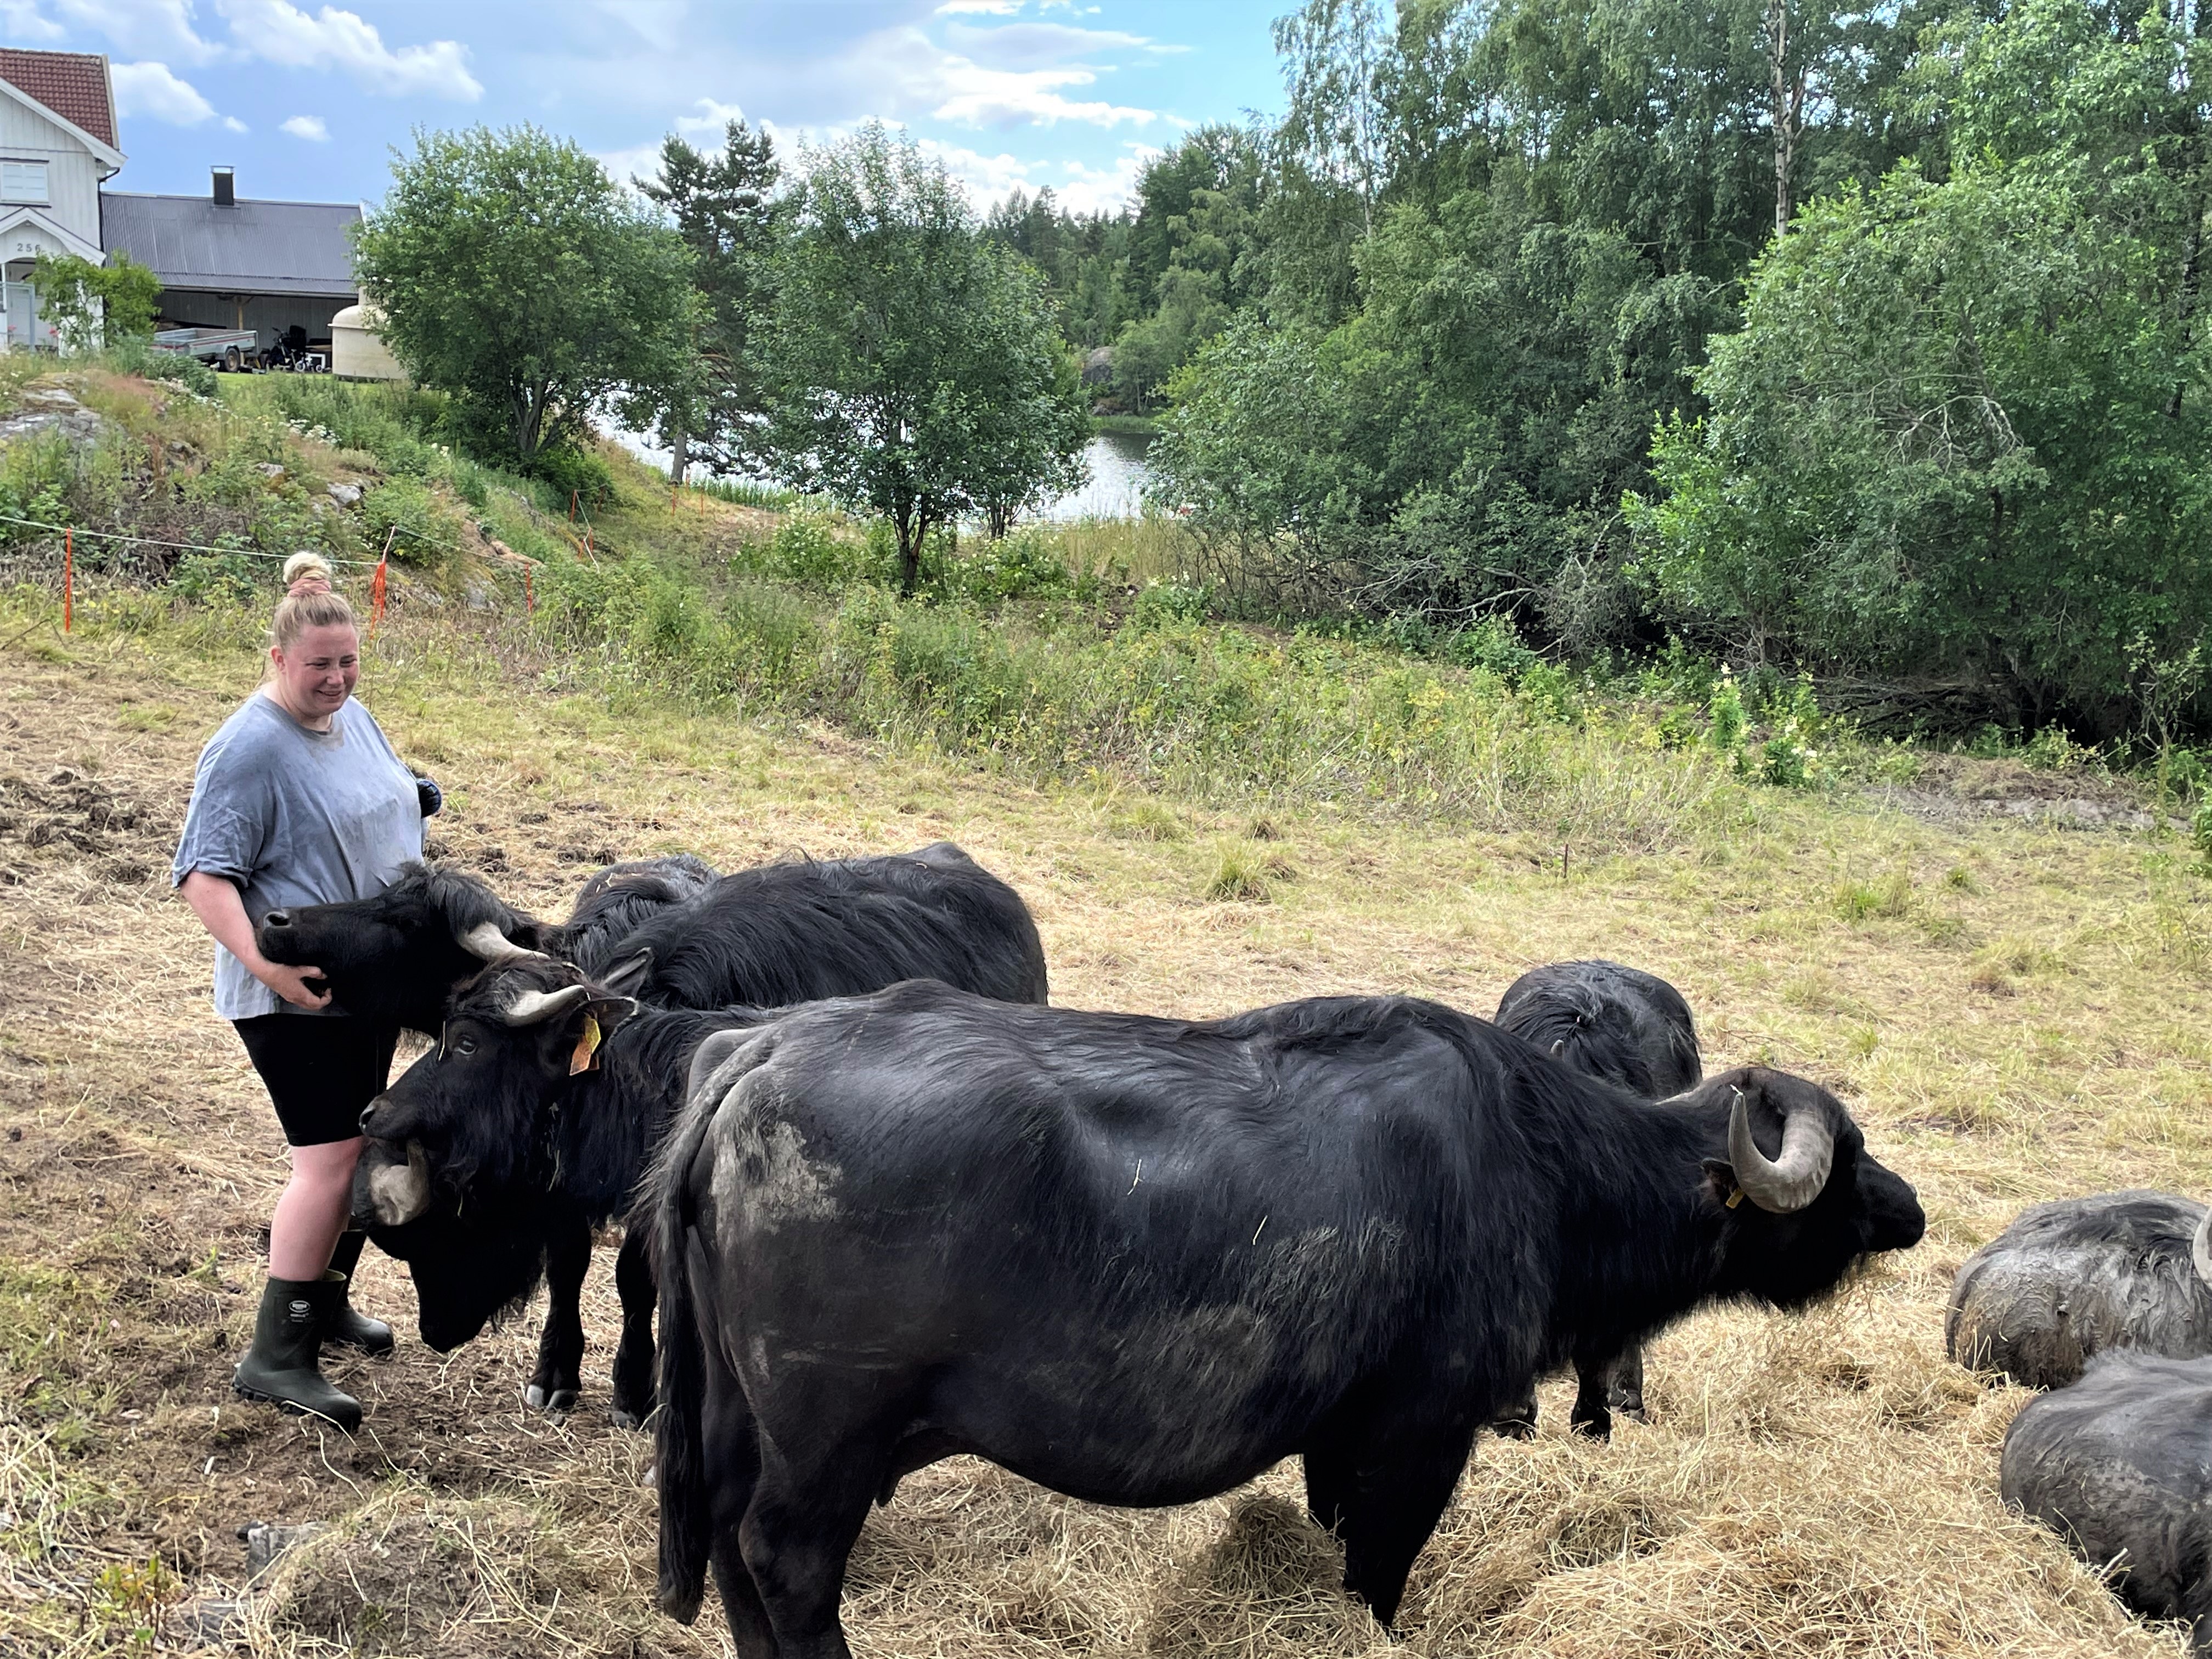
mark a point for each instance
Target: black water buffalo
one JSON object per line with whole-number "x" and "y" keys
{"x": 1632, "y": 1030}
{"x": 492, "y": 1158}
{"x": 1139, "y": 1260}
{"x": 2121, "y": 1464}
{"x": 2070, "y": 1278}
{"x": 397, "y": 955}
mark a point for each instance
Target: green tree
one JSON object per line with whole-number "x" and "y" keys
{"x": 725, "y": 209}
{"x": 910, "y": 366}
{"x": 1961, "y": 439}
{"x": 89, "y": 303}
{"x": 513, "y": 274}
{"x": 1194, "y": 256}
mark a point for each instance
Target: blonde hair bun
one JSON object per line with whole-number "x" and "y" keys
{"x": 308, "y": 601}
{"x": 305, "y": 573}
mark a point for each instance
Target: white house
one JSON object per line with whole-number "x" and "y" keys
{"x": 57, "y": 144}
{"x": 282, "y": 268}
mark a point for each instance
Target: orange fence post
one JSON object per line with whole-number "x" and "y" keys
{"x": 69, "y": 576}
{"x": 572, "y": 507}
{"x": 376, "y": 583}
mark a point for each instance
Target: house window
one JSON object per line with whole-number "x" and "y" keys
{"x": 23, "y": 181}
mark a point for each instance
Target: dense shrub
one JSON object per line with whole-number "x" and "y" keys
{"x": 570, "y": 470}
{"x": 422, "y": 529}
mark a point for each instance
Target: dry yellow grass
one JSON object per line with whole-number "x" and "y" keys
{"x": 1820, "y": 1485}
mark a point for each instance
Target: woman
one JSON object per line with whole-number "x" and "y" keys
{"x": 299, "y": 799}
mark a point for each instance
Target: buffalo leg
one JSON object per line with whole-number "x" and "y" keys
{"x": 560, "y": 1374}
{"x": 808, "y": 1506}
{"x": 729, "y": 1448}
{"x": 1591, "y": 1416}
{"x": 1382, "y": 1495}
{"x": 1625, "y": 1383}
{"x": 634, "y": 1283}
{"x": 1518, "y": 1420}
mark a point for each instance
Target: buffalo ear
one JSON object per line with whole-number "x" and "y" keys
{"x": 610, "y": 1012}
{"x": 1720, "y": 1184}
{"x": 533, "y": 934}
{"x": 626, "y": 976}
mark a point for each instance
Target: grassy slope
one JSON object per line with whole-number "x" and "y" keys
{"x": 2014, "y": 1011}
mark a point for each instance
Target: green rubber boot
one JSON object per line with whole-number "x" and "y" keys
{"x": 281, "y": 1367}
{"x": 347, "y": 1328}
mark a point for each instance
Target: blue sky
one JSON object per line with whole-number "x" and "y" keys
{"x": 305, "y": 100}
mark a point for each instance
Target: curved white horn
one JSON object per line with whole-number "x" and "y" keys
{"x": 400, "y": 1192}
{"x": 486, "y": 942}
{"x": 2200, "y": 1247}
{"x": 1792, "y": 1181}
{"x": 534, "y": 1007}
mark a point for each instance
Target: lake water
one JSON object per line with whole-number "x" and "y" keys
{"x": 1116, "y": 490}
{"x": 1118, "y": 477}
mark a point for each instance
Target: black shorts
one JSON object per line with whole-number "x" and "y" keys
{"x": 320, "y": 1069}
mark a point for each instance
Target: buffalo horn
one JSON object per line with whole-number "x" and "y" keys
{"x": 2200, "y": 1246}
{"x": 534, "y": 1007}
{"x": 1794, "y": 1180}
{"x": 484, "y": 941}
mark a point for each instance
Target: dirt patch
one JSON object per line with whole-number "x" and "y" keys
{"x": 1965, "y": 788}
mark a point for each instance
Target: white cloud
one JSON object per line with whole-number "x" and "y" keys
{"x": 310, "y": 127}
{"x": 989, "y": 7}
{"x": 1103, "y": 189}
{"x": 988, "y": 177}
{"x": 232, "y": 123}
{"x": 659, "y": 23}
{"x": 1023, "y": 45}
{"x": 981, "y": 97}
{"x": 152, "y": 90}
{"x": 22, "y": 21}
{"x": 145, "y": 26}
{"x": 638, "y": 161}
{"x": 284, "y": 34}
{"x": 712, "y": 116}
{"x": 923, "y": 75}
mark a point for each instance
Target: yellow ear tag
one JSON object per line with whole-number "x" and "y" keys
{"x": 1735, "y": 1197}
{"x": 587, "y": 1057}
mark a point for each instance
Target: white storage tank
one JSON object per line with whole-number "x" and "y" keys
{"x": 357, "y": 351}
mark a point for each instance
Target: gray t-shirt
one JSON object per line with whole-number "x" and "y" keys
{"x": 295, "y": 817}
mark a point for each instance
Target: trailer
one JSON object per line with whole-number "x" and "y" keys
{"x": 233, "y": 348}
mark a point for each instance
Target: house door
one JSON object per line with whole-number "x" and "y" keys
{"x": 23, "y": 326}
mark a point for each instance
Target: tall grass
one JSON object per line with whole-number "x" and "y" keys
{"x": 1131, "y": 552}
{"x": 747, "y": 492}
{"x": 1209, "y": 712}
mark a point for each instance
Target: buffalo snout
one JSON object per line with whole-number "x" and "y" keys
{"x": 277, "y": 919}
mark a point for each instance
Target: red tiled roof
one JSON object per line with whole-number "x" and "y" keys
{"x": 72, "y": 84}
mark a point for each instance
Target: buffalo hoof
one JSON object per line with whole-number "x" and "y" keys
{"x": 624, "y": 1419}
{"x": 1594, "y": 1428}
{"x": 560, "y": 1399}
{"x": 1514, "y": 1428}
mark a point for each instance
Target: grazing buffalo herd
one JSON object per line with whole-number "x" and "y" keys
{"x": 891, "y": 1207}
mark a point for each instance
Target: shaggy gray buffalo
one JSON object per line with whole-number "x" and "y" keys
{"x": 2070, "y": 1278}
{"x": 2121, "y": 1464}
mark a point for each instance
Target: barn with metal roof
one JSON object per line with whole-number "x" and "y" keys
{"x": 226, "y": 261}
